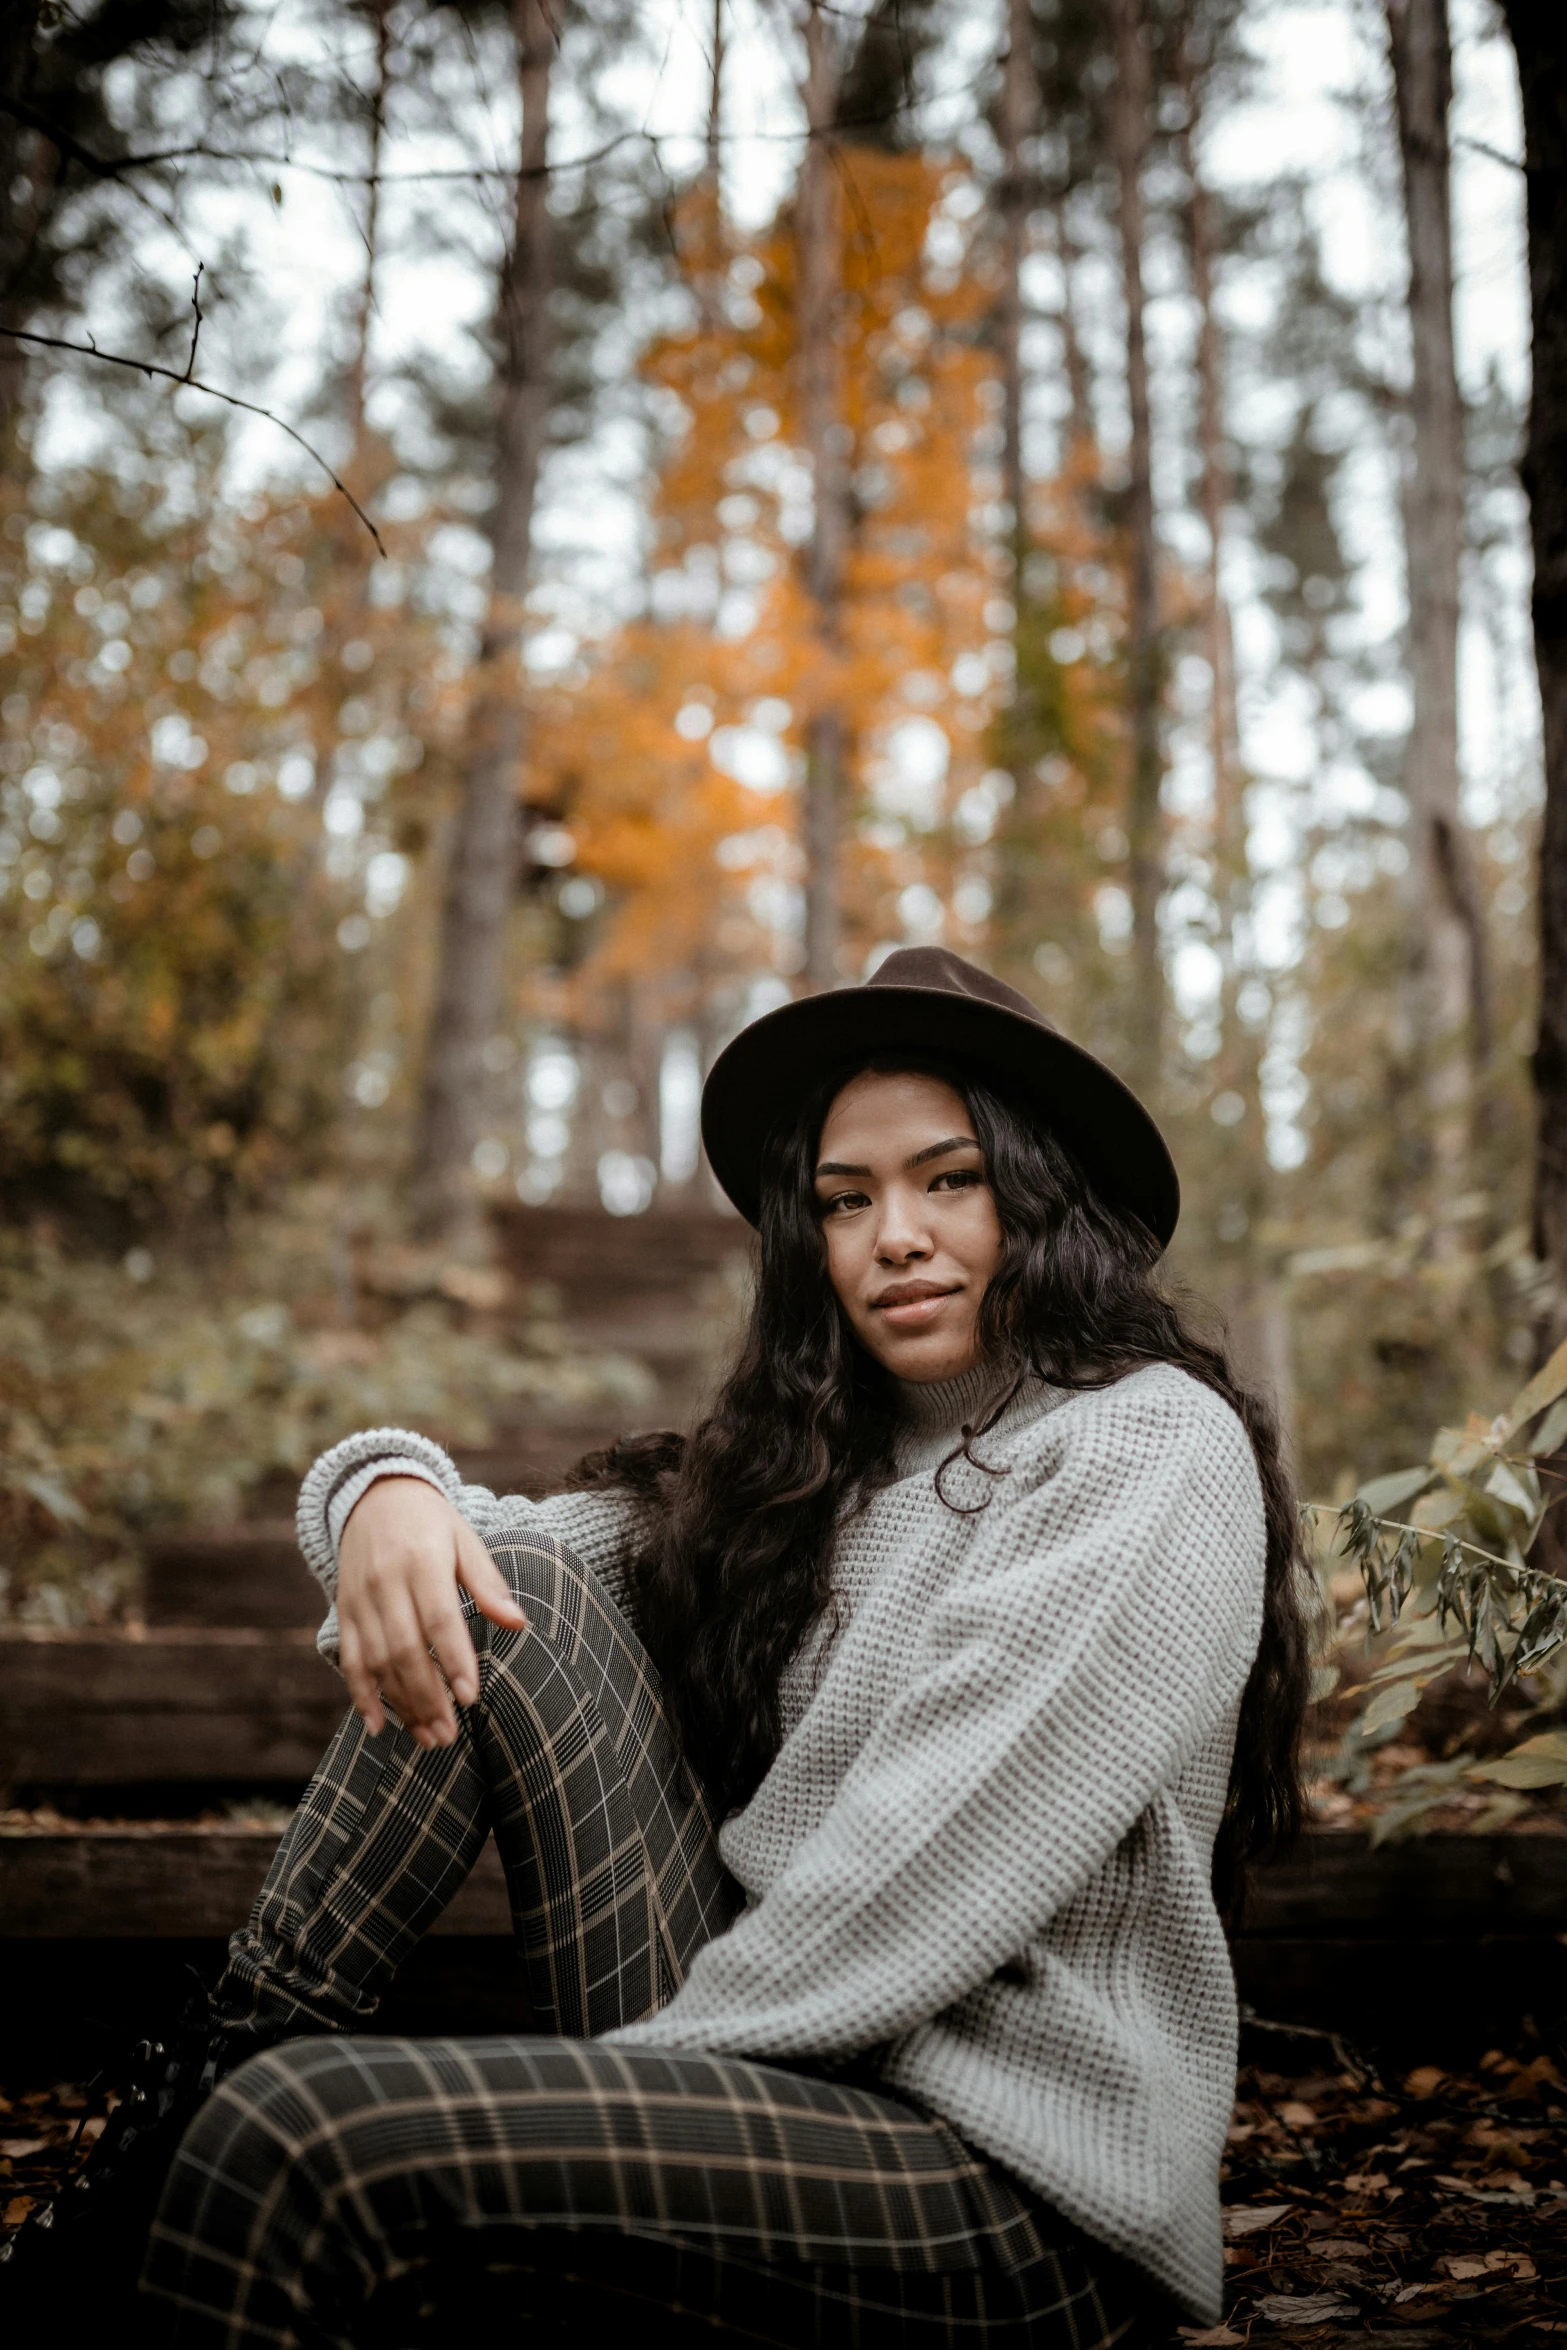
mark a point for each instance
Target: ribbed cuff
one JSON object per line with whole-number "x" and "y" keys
{"x": 356, "y": 1463}
{"x": 341, "y": 1506}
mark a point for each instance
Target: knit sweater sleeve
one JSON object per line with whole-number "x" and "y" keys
{"x": 1102, "y": 1628}
{"x": 597, "y": 1525}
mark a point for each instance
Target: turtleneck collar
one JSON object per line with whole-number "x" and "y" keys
{"x": 928, "y": 1407}
{"x": 933, "y": 1413}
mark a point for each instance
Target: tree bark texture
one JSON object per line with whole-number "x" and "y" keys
{"x": 1449, "y": 964}
{"x": 484, "y": 844}
{"x": 1213, "y": 494}
{"x": 359, "y": 357}
{"x": 819, "y": 293}
{"x": 1017, "y": 120}
{"x": 1130, "y": 130}
{"x": 1539, "y": 34}
{"x": 19, "y": 190}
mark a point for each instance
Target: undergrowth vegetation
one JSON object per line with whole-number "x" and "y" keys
{"x": 138, "y": 1392}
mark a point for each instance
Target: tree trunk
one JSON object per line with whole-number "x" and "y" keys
{"x": 1080, "y": 410}
{"x": 19, "y": 191}
{"x": 819, "y": 280}
{"x": 1131, "y": 103}
{"x": 1018, "y": 117}
{"x": 1213, "y": 496}
{"x": 484, "y": 846}
{"x": 1539, "y": 33}
{"x": 1448, "y": 960}
{"x": 359, "y": 358}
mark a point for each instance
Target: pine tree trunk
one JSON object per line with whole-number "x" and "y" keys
{"x": 1539, "y": 33}
{"x": 484, "y": 846}
{"x": 818, "y": 267}
{"x": 359, "y": 357}
{"x": 1018, "y": 117}
{"x": 1017, "y": 120}
{"x": 1130, "y": 128}
{"x": 1448, "y": 960}
{"x": 18, "y": 190}
{"x": 1250, "y": 1295}
{"x": 1080, "y": 403}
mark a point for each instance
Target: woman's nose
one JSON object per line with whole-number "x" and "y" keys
{"x": 902, "y": 1233}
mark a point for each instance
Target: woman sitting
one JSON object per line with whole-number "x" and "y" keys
{"x": 869, "y": 1770}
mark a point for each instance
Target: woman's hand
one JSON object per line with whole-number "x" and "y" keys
{"x": 403, "y": 1555}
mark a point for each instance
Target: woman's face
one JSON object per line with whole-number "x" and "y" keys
{"x": 911, "y": 1228}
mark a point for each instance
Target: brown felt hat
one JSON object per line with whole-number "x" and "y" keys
{"x": 928, "y": 1001}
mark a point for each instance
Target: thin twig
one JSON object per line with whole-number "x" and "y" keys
{"x": 1428, "y": 1534}
{"x": 151, "y": 367}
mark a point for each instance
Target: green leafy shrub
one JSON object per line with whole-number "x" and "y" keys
{"x": 139, "y": 1393}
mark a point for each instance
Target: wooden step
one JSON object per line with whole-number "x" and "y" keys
{"x": 252, "y": 1576}
{"x": 160, "y": 1879}
{"x": 175, "y": 1878}
{"x": 571, "y": 1246}
{"x": 249, "y": 1575}
{"x": 185, "y": 1706}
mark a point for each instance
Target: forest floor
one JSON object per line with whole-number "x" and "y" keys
{"x": 1416, "y": 2210}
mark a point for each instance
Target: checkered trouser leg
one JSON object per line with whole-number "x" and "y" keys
{"x": 341, "y": 2193}
{"x": 610, "y": 1857}
{"x": 332, "y": 2187}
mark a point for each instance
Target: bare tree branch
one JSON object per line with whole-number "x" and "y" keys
{"x": 178, "y": 377}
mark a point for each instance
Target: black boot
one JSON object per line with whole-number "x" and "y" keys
{"x": 73, "y": 2264}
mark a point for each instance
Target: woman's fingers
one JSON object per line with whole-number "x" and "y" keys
{"x": 479, "y": 1575}
{"x": 410, "y": 1678}
{"x": 361, "y": 1683}
{"x": 440, "y": 1614}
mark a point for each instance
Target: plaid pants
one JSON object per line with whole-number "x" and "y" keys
{"x": 347, "y": 2190}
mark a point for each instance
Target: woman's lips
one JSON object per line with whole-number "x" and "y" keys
{"x": 912, "y": 1313}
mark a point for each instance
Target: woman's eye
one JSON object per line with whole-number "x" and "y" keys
{"x": 957, "y": 1178}
{"x": 843, "y": 1202}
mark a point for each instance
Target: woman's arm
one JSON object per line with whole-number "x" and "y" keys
{"x": 393, "y": 1535}
{"x": 1102, "y": 1629}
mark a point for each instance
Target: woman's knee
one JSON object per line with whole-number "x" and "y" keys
{"x": 264, "y": 2117}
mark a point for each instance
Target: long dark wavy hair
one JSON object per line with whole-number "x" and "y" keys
{"x": 739, "y": 1518}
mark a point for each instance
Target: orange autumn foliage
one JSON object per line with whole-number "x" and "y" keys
{"x": 692, "y": 834}
{"x": 182, "y": 973}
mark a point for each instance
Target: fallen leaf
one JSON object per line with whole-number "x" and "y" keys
{"x": 1340, "y": 2248}
{"x": 1214, "y": 2337}
{"x": 1296, "y": 2115}
{"x": 1366, "y": 2182}
{"x": 1424, "y": 2081}
{"x": 1305, "y": 2309}
{"x": 1508, "y": 2264}
{"x": 1462, "y": 2265}
{"x": 1246, "y": 2219}
{"x": 16, "y": 2148}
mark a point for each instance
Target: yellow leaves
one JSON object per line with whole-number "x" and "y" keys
{"x": 1537, "y": 1762}
{"x": 652, "y": 805}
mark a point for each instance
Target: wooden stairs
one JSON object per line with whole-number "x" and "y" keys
{"x": 146, "y": 1770}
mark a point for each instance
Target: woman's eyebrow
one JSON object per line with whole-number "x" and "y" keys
{"x": 932, "y": 1150}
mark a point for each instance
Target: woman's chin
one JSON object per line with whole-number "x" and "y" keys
{"x": 928, "y": 1358}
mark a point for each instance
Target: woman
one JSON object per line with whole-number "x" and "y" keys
{"x": 969, "y": 1612}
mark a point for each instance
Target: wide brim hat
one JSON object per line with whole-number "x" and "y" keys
{"x": 929, "y": 1003}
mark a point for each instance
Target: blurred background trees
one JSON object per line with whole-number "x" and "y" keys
{"x": 1042, "y": 479}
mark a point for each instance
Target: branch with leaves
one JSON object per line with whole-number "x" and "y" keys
{"x": 1442, "y": 1552}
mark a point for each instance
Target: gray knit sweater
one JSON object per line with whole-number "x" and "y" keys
{"x": 983, "y": 1849}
